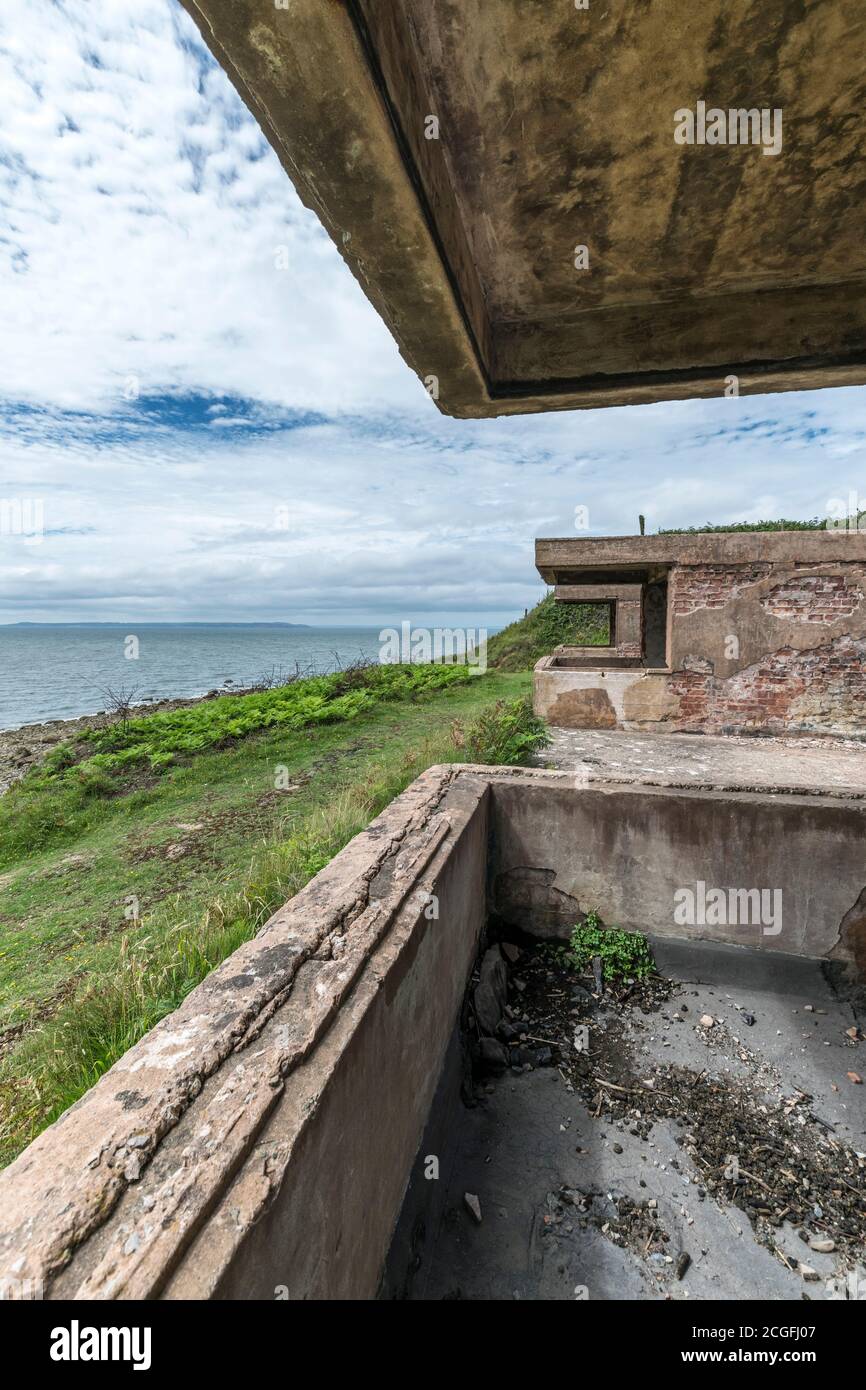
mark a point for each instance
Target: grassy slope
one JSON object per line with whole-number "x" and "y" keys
{"x": 518, "y": 646}
{"x": 209, "y": 848}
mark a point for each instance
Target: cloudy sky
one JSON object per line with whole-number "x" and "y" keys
{"x": 213, "y": 437}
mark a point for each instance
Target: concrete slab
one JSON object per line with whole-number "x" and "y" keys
{"x": 261, "y": 1137}
{"x": 513, "y": 188}
{"x": 795, "y": 766}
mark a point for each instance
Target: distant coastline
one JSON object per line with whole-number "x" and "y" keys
{"x": 133, "y": 622}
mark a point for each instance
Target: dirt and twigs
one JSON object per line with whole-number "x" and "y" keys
{"x": 681, "y": 1097}
{"x": 636, "y": 1225}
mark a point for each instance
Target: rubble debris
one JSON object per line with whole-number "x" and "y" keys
{"x": 493, "y": 1055}
{"x": 632, "y": 1225}
{"x": 745, "y": 1142}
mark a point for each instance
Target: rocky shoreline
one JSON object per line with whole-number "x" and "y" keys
{"x": 23, "y": 748}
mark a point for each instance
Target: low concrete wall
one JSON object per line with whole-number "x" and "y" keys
{"x": 261, "y": 1136}
{"x": 560, "y": 848}
{"x": 258, "y": 1142}
{"x": 629, "y": 697}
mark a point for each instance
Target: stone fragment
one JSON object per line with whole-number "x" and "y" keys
{"x": 492, "y": 1055}
{"x": 490, "y": 992}
{"x": 821, "y": 1245}
{"x": 473, "y": 1206}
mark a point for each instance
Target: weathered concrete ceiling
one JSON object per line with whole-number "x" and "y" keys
{"x": 556, "y": 130}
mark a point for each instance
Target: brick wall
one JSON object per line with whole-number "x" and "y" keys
{"x": 711, "y": 586}
{"x": 823, "y": 689}
{"x": 823, "y": 598}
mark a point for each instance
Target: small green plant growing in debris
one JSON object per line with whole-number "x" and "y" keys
{"x": 624, "y": 955}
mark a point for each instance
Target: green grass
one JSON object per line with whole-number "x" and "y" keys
{"x": 79, "y": 779}
{"x": 208, "y": 846}
{"x": 548, "y": 625}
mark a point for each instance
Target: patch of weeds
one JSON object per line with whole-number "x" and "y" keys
{"x": 624, "y": 955}
{"x": 507, "y": 732}
{"x": 549, "y": 624}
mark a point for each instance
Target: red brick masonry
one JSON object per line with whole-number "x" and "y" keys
{"x": 712, "y": 586}
{"x": 765, "y": 633}
{"x": 815, "y": 598}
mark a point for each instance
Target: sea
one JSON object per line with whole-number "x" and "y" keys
{"x": 61, "y": 671}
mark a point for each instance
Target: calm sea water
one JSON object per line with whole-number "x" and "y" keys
{"x": 58, "y": 672}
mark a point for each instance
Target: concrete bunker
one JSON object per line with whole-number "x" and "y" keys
{"x": 719, "y": 633}
{"x": 260, "y": 1141}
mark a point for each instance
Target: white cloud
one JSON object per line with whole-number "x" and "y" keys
{"x": 146, "y": 214}
{"x": 213, "y": 437}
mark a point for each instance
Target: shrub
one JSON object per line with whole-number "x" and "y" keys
{"x": 506, "y": 732}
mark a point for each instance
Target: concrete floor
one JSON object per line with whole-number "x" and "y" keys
{"x": 518, "y": 1147}
{"x": 830, "y": 767}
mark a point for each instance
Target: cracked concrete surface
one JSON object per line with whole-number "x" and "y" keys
{"x": 803, "y": 766}
{"x": 212, "y": 1071}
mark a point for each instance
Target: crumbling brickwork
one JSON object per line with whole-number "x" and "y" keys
{"x": 814, "y": 598}
{"x": 712, "y": 586}
{"x": 760, "y": 631}
{"x": 823, "y": 688}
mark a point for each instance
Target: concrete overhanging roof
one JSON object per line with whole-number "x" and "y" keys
{"x": 557, "y": 558}
{"x": 556, "y": 130}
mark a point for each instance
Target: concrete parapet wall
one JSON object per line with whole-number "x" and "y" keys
{"x": 560, "y": 848}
